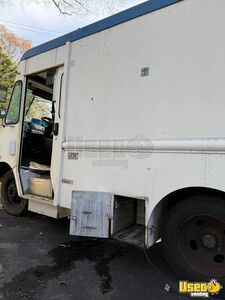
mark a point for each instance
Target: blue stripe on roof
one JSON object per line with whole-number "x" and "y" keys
{"x": 119, "y": 18}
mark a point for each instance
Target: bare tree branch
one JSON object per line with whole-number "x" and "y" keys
{"x": 77, "y": 7}
{"x": 60, "y": 9}
{"x": 79, "y": 3}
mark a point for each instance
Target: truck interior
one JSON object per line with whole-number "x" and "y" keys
{"x": 129, "y": 220}
{"x": 37, "y": 138}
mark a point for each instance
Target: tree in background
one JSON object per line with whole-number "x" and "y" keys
{"x": 13, "y": 45}
{"x": 11, "y": 49}
{"x": 8, "y": 69}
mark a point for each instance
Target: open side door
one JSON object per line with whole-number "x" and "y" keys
{"x": 59, "y": 99}
{"x": 91, "y": 214}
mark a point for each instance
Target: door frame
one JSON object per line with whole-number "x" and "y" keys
{"x": 56, "y": 101}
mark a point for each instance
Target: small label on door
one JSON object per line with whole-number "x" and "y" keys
{"x": 73, "y": 155}
{"x": 67, "y": 181}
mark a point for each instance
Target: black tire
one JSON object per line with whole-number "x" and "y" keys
{"x": 193, "y": 238}
{"x": 11, "y": 202}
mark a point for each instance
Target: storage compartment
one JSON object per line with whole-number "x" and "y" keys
{"x": 129, "y": 220}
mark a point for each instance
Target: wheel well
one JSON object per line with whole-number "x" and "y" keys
{"x": 4, "y": 168}
{"x": 171, "y": 199}
{"x": 156, "y": 220}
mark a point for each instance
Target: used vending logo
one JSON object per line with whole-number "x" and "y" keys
{"x": 200, "y": 289}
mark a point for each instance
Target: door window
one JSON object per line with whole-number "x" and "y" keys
{"x": 13, "y": 113}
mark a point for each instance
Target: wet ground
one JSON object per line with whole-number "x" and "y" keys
{"x": 39, "y": 260}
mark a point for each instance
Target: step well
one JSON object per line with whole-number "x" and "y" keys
{"x": 41, "y": 186}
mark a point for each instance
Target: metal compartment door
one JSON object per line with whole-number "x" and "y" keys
{"x": 91, "y": 214}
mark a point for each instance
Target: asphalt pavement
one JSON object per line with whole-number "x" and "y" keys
{"x": 39, "y": 260}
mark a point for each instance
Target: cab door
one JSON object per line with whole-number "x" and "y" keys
{"x": 11, "y": 131}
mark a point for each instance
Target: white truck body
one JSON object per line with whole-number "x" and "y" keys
{"x": 140, "y": 110}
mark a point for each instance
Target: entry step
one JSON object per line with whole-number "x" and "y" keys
{"x": 46, "y": 207}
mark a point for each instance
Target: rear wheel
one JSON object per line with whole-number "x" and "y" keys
{"x": 11, "y": 202}
{"x": 194, "y": 238}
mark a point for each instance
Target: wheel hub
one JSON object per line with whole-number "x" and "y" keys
{"x": 12, "y": 190}
{"x": 202, "y": 244}
{"x": 12, "y": 193}
{"x": 209, "y": 241}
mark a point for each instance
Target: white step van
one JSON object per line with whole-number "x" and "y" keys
{"x": 120, "y": 125}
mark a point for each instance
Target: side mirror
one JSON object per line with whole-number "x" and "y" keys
{"x": 3, "y": 93}
{"x": 2, "y": 113}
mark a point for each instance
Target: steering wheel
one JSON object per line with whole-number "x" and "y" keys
{"x": 46, "y": 119}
